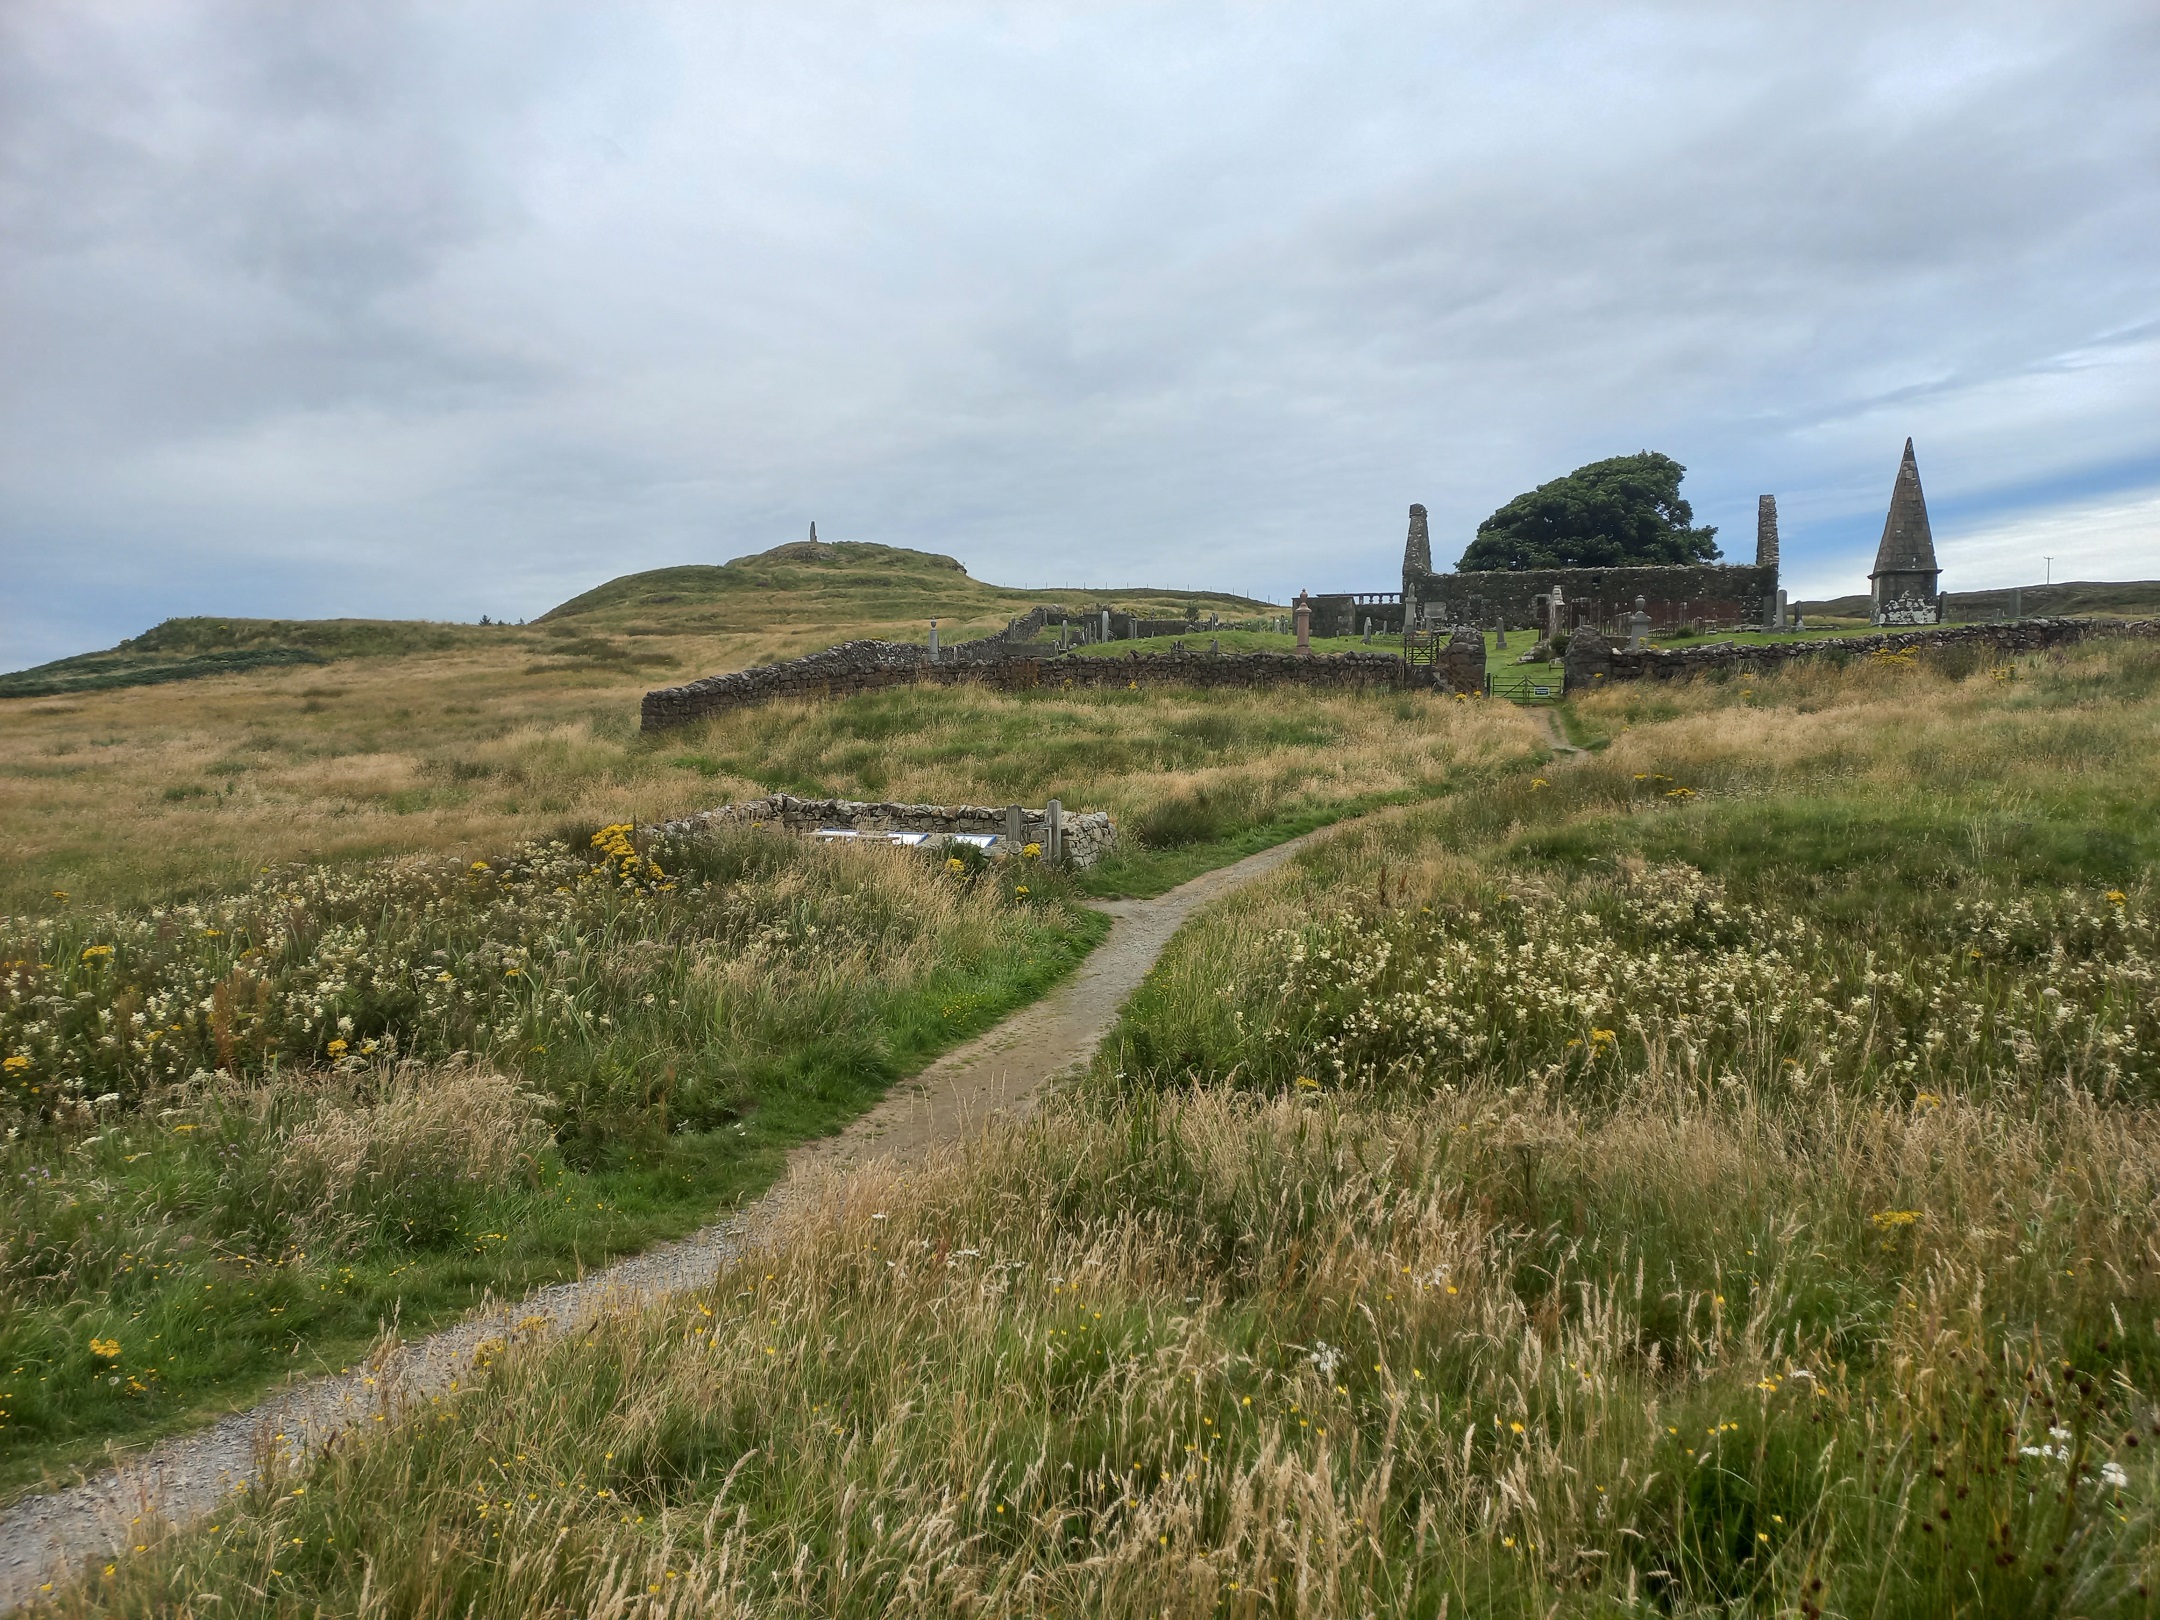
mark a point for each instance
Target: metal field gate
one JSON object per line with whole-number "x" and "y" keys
{"x": 1527, "y": 688}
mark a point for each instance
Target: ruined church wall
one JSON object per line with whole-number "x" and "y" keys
{"x": 1482, "y": 598}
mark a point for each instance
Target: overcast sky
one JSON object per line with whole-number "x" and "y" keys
{"x": 442, "y": 309}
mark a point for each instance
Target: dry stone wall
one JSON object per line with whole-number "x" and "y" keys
{"x": 1085, "y": 836}
{"x": 869, "y": 666}
{"x": 1590, "y": 657}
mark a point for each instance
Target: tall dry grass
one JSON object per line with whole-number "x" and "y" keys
{"x": 411, "y": 1157}
{"x": 137, "y": 796}
{"x": 1296, "y": 1308}
{"x": 1228, "y": 1354}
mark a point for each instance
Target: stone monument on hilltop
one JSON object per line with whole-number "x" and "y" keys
{"x": 1904, "y": 586}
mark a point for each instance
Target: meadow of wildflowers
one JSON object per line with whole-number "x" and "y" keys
{"x": 1560, "y": 1200}
{"x": 240, "y": 1132}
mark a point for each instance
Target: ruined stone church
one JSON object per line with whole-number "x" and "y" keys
{"x": 1561, "y": 598}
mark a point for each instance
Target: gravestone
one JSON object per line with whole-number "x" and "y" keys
{"x": 1015, "y": 829}
{"x": 1500, "y": 637}
{"x": 1638, "y": 627}
{"x": 1106, "y": 624}
{"x": 1368, "y": 632}
{"x": 1054, "y": 832}
{"x": 933, "y": 641}
{"x": 1555, "y": 613}
{"x": 1302, "y": 612}
{"x": 1214, "y": 644}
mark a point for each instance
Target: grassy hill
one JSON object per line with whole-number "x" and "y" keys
{"x": 845, "y": 582}
{"x": 195, "y": 753}
{"x": 846, "y": 588}
{"x": 2129, "y": 599}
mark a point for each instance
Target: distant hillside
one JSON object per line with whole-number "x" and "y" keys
{"x": 185, "y": 649}
{"x": 2131, "y": 599}
{"x": 842, "y": 583}
{"x": 808, "y": 595}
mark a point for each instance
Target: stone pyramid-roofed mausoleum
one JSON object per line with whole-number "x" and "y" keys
{"x": 1904, "y": 585}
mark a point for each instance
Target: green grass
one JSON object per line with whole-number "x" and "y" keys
{"x": 179, "y": 1219}
{"x": 1575, "y": 1196}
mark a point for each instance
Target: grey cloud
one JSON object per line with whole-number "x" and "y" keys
{"x": 406, "y": 309}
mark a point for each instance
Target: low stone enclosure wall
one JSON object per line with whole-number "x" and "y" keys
{"x": 1457, "y": 665}
{"x": 1592, "y": 657}
{"x": 869, "y": 666}
{"x": 1069, "y": 838}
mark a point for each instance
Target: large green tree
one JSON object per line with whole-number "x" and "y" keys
{"x": 1612, "y": 513}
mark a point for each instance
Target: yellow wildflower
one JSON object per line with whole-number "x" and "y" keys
{"x": 95, "y": 951}
{"x": 105, "y": 1349}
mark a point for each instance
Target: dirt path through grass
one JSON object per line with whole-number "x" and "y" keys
{"x": 1002, "y": 1070}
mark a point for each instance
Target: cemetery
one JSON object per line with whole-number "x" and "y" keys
{"x": 1595, "y": 622}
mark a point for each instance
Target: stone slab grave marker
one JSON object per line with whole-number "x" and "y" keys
{"x": 1015, "y": 830}
{"x": 933, "y": 641}
{"x": 1500, "y": 637}
{"x": 1638, "y": 627}
{"x": 1054, "y": 832}
{"x": 1555, "y": 613}
{"x": 1303, "y": 614}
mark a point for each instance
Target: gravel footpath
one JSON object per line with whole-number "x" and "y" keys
{"x": 43, "y": 1537}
